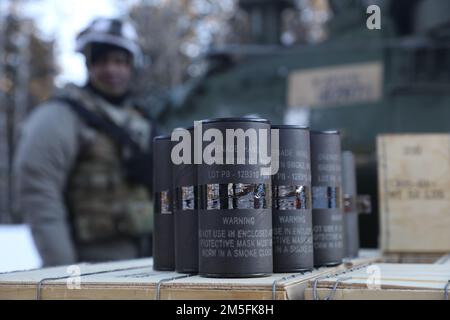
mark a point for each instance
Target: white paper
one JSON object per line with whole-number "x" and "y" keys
{"x": 17, "y": 249}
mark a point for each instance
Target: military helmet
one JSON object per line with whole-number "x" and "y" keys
{"x": 115, "y": 32}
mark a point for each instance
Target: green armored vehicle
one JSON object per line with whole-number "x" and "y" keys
{"x": 360, "y": 81}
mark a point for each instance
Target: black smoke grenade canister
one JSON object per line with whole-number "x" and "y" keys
{"x": 235, "y": 216}
{"x": 186, "y": 209}
{"x": 163, "y": 234}
{"x": 351, "y": 228}
{"x": 326, "y": 169}
{"x": 291, "y": 202}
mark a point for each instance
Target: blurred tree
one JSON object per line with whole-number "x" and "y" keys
{"x": 27, "y": 70}
{"x": 175, "y": 33}
{"x": 306, "y": 22}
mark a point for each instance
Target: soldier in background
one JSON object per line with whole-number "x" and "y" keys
{"x": 84, "y": 161}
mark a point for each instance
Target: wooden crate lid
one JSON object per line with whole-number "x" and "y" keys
{"x": 137, "y": 280}
{"x": 396, "y": 281}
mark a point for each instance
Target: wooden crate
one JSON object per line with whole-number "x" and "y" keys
{"x": 396, "y": 282}
{"x": 412, "y": 258}
{"x": 137, "y": 280}
{"x": 414, "y": 193}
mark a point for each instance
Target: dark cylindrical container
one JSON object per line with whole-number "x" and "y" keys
{"x": 235, "y": 216}
{"x": 326, "y": 169}
{"x": 186, "y": 211}
{"x": 291, "y": 202}
{"x": 351, "y": 228}
{"x": 163, "y": 234}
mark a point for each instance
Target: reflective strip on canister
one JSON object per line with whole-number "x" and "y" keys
{"x": 291, "y": 216}
{"x": 235, "y": 215}
{"x": 326, "y": 168}
{"x": 163, "y": 234}
{"x": 186, "y": 210}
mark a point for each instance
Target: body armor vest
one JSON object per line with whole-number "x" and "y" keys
{"x": 103, "y": 203}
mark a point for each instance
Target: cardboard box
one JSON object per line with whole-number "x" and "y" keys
{"x": 414, "y": 193}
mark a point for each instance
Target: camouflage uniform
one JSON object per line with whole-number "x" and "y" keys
{"x": 72, "y": 187}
